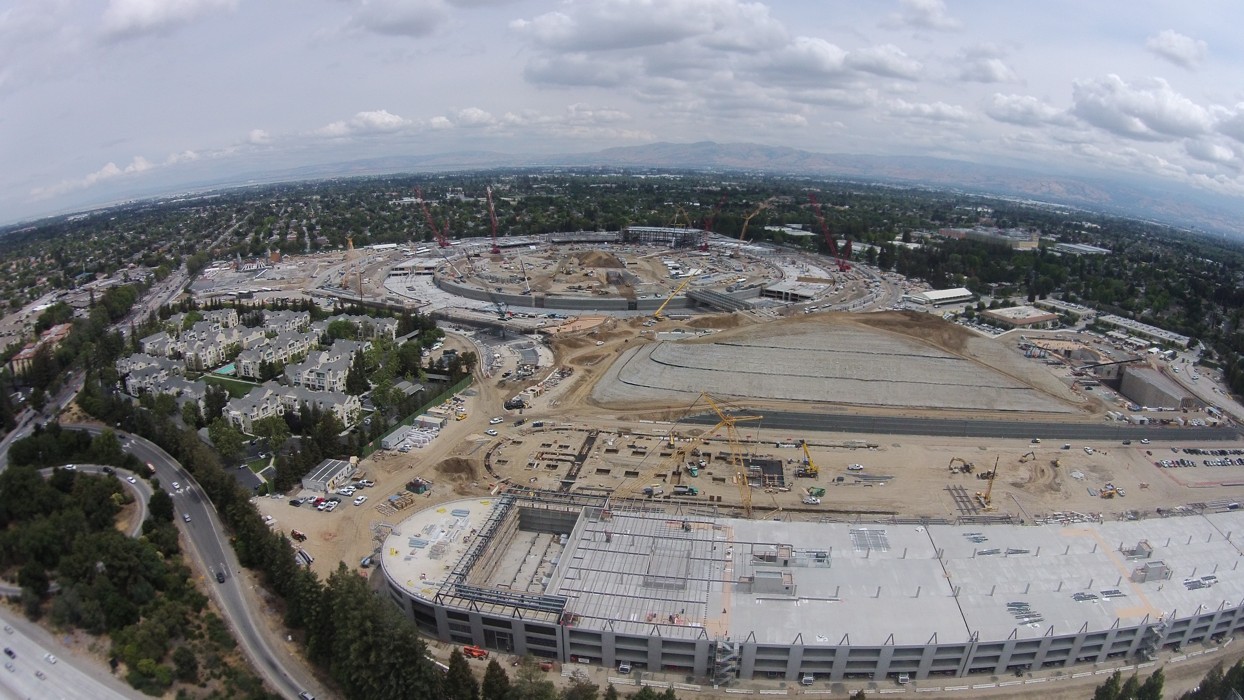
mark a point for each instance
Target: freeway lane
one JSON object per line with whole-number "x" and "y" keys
{"x": 70, "y": 677}
{"x": 271, "y": 660}
{"x": 954, "y": 427}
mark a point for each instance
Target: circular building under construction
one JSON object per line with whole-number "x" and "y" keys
{"x": 675, "y": 588}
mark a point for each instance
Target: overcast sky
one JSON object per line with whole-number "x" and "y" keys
{"x": 105, "y": 99}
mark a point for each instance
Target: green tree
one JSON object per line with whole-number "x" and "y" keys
{"x": 274, "y": 428}
{"x": 191, "y": 416}
{"x": 226, "y": 439}
{"x": 580, "y": 688}
{"x": 496, "y": 685}
{"x": 185, "y": 665}
{"x": 214, "y": 400}
{"x": 611, "y": 693}
{"x": 1152, "y": 688}
{"x": 343, "y": 329}
{"x": 356, "y": 376}
{"x": 531, "y": 683}
{"x": 160, "y": 506}
{"x": 1110, "y": 689}
{"x": 460, "y": 683}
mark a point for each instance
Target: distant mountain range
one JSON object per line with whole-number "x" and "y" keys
{"x": 1174, "y": 204}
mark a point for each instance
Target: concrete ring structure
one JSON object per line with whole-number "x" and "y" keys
{"x": 681, "y": 589}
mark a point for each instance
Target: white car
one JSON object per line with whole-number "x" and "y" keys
{"x": 1144, "y": 441}
{"x": 176, "y": 486}
{"x": 50, "y": 659}
{"x": 855, "y": 467}
{"x": 330, "y": 506}
{"x": 496, "y": 421}
{"x": 185, "y": 516}
{"x": 131, "y": 479}
{"x": 490, "y": 431}
{"x": 360, "y": 500}
{"x": 811, "y": 501}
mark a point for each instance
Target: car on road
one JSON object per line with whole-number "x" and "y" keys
{"x": 10, "y": 653}
{"x": 40, "y": 675}
{"x": 220, "y": 577}
{"x": 360, "y": 500}
{"x": 1144, "y": 441}
{"x": 176, "y": 486}
{"x": 185, "y": 516}
{"x": 9, "y": 665}
{"x": 8, "y": 629}
{"x": 490, "y": 431}
{"x": 811, "y": 501}
{"x": 131, "y": 479}
{"x": 50, "y": 659}
{"x": 304, "y": 695}
{"x": 855, "y": 467}
{"x": 496, "y": 421}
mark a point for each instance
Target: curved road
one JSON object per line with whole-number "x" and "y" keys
{"x": 956, "y": 427}
{"x": 271, "y": 660}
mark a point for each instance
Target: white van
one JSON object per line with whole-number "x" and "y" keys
{"x": 808, "y": 679}
{"x": 624, "y": 668}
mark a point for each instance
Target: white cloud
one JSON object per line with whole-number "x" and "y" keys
{"x": 1178, "y": 49}
{"x": 923, "y": 14}
{"x": 364, "y": 124}
{"x": 987, "y": 69}
{"x": 409, "y": 18}
{"x": 258, "y": 137}
{"x": 186, "y": 156}
{"x": 580, "y": 69}
{"x": 1209, "y": 151}
{"x": 935, "y": 111}
{"x": 888, "y": 61}
{"x": 1231, "y": 123}
{"x": 1150, "y": 111}
{"x": 110, "y": 171}
{"x": 130, "y": 19}
{"x": 1022, "y": 109}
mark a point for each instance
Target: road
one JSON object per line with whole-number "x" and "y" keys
{"x": 270, "y": 658}
{"x": 70, "y": 677}
{"x": 954, "y": 427}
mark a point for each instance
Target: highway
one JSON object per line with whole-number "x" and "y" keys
{"x": 70, "y": 677}
{"x": 270, "y": 658}
{"x": 955, "y": 427}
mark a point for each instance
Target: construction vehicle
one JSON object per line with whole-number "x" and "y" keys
{"x": 656, "y": 315}
{"x": 986, "y": 498}
{"x": 708, "y": 225}
{"x": 748, "y": 219}
{"x": 815, "y": 491}
{"x": 473, "y": 652}
{"x": 965, "y": 466}
{"x": 1108, "y": 491}
{"x": 1027, "y": 457}
{"x": 686, "y": 491}
{"x": 808, "y": 469}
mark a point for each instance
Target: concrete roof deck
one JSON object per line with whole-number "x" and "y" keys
{"x": 648, "y": 573}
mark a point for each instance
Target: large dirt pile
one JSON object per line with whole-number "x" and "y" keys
{"x": 719, "y": 321}
{"x": 595, "y": 258}
{"x": 927, "y": 327}
{"x": 457, "y": 469}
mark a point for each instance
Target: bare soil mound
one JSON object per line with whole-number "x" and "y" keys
{"x": 718, "y": 321}
{"x": 926, "y": 327}
{"x": 595, "y": 258}
{"x": 457, "y": 468}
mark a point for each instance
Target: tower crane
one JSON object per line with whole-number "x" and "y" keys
{"x": 352, "y": 256}
{"x": 737, "y": 463}
{"x": 656, "y": 315}
{"x": 708, "y": 225}
{"x": 492, "y": 216}
{"x": 526, "y": 281}
{"x": 843, "y": 265}
{"x": 441, "y": 240}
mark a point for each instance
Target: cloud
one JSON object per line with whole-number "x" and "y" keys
{"x": 1151, "y": 111}
{"x": 408, "y": 18}
{"x": 258, "y": 137}
{"x": 1231, "y": 123}
{"x": 1178, "y": 49}
{"x": 579, "y": 69}
{"x": 935, "y": 111}
{"x": 132, "y": 19}
{"x": 365, "y": 124}
{"x": 1210, "y": 152}
{"x": 888, "y": 61}
{"x": 923, "y": 14}
{"x": 1023, "y": 110}
{"x": 987, "y": 70}
{"x": 110, "y": 171}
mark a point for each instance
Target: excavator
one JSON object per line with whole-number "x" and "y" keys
{"x": 965, "y": 466}
{"x": 1027, "y": 457}
{"x": 808, "y": 469}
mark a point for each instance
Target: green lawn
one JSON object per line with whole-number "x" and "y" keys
{"x": 236, "y": 387}
{"x": 257, "y": 464}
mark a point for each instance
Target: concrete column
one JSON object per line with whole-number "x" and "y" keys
{"x": 794, "y": 662}
{"x": 883, "y": 663}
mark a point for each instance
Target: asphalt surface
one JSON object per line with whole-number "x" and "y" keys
{"x": 951, "y": 427}
{"x": 282, "y": 671}
{"x": 69, "y": 677}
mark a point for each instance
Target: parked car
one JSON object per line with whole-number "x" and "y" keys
{"x": 496, "y": 421}
{"x": 360, "y": 500}
{"x": 491, "y": 432}
{"x": 855, "y": 467}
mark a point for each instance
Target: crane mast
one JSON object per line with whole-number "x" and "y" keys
{"x": 492, "y": 217}
{"x": 839, "y": 257}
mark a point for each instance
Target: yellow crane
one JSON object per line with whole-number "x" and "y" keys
{"x": 986, "y": 498}
{"x": 656, "y": 315}
{"x": 737, "y": 463}
{"x": 748, "y": 219}
{"x": 809, "y": 469}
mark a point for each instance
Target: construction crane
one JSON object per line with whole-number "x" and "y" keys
{"x": 526, "y": 281}
{"x": 708, "y": 225}
{"x": 748, "y": 219}
{"x": 809, "y": 468}
{"x": 492, "y": 216}
{"x": 737, "y": 463}
{"x": 352, "y": 256}
{"x": 441, "y": 240}
{"x": 656, "y": 315}
{"x": 986, "y": 498}
{"x": 843, "y": 265}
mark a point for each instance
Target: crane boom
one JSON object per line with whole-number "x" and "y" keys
{"x": 748, "y": 219}
{"x": 811, "y": 470}
{"x": 839, "y": 257}
{"x": 441, "y": 240}
{"x": 657, "y": 314}
{"x": 492, "y": 216}
{"x": 736, "y": 452}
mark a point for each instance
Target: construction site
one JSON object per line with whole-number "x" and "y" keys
{"x": 664, "y": 460}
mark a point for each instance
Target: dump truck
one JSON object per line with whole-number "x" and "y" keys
{"x": 815, "y": 491}
{"x": 681, "y": 490}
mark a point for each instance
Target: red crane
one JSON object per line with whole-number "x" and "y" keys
{"x": 492, "y": 215}
{"x": 841, "y": 259}
{"x": 708, "y": 225}
{"x": 436, "y": 232}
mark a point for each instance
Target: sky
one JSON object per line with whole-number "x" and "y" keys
{"x": 104, "y": 100}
